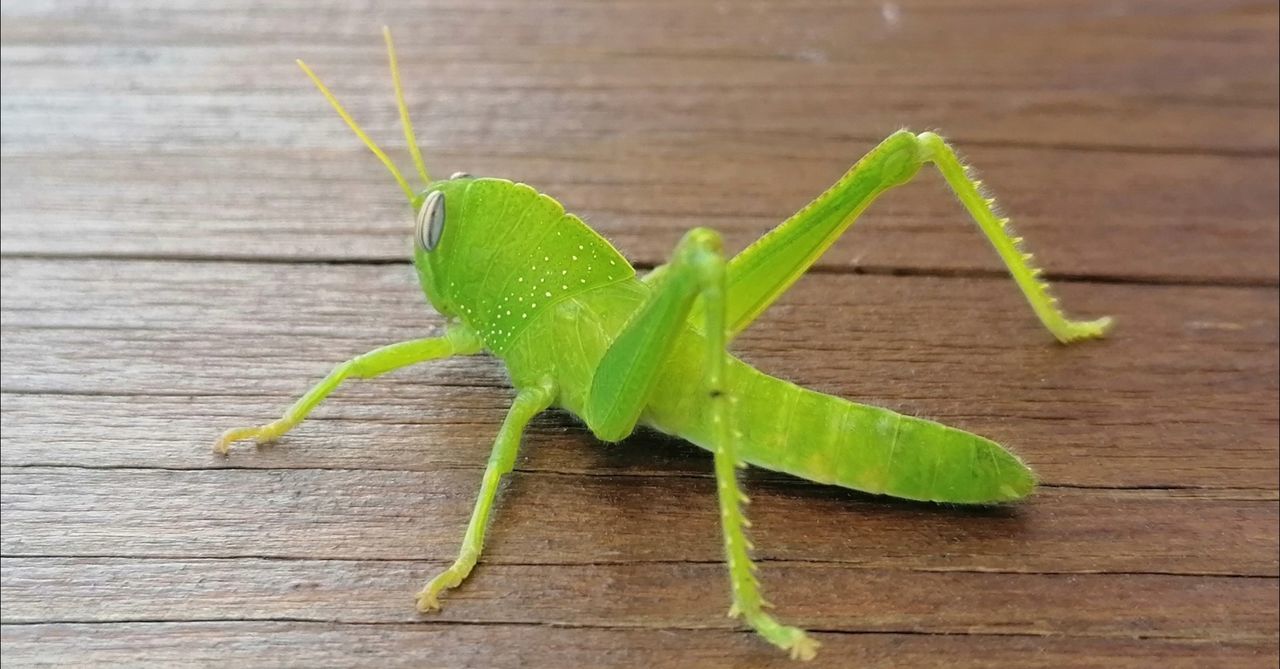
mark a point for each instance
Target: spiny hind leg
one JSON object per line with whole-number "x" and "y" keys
{"x": 1028, "y": 277}
{"x": 456, "y": 341}
{"x": 627, "y": 375}
{"x": 765, "y": 270}
{"x": 529, "y": 402}
{"x": 707, "y": 260}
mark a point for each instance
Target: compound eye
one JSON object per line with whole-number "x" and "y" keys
{"x": 430, "y": 221}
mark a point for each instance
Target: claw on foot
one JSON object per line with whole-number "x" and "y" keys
{"x": 428, "y": 601}
{"x": 803, "y": 647}
{"x": 794, "y": 640}
{"x": 1082, "y": 330}
{"x": 261, "y": 434}
{"x": 429, "y": 596}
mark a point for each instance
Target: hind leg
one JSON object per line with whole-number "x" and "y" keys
{"x": 625, "y": 379}
{"x": 766, "y": 269}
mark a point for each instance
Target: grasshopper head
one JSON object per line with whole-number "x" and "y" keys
{"x": 432, "y": 242}
{"x": 461, "y": 233}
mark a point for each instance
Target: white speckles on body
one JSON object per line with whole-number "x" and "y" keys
{"x": 522, "y": 259}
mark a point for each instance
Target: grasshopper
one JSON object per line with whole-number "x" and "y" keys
{"x": 514, "y": 274}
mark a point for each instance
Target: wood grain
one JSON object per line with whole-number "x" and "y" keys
{"x": 287, "y": 643}
{"x": 650, "y": 118}
{"x": 555, "y": 518}
{"x": 653, "y": 596}
{"x": 340, "y": 205}
{"x": 190, "y": 239}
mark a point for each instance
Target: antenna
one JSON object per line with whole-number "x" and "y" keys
{"x": 404, "y": 110}
{"x": 404, "y": 185}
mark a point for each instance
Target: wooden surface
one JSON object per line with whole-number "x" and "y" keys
{"x": 190, "y": 239}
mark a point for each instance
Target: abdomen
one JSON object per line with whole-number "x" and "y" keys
{"x": 830, "y": 440}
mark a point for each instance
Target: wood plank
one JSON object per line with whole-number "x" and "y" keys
{"x": 1075, "y": 73}
{"x": 1148, "y": 216}
{"x": 1132, "y": 144}
{"x": 500, "y": 646}
{"x": 833, "y": 597}
{"x": 648, "y": 133}
{"x": 1184, "y": 394}
{"x": 556, "y": 518}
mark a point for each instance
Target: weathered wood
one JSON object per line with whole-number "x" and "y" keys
{"x": 1090, "y": 124}
{"x": 1074, "y": 73}
{"x": 521, "y": 646}
{"x": 1167, "y": 216}
{"x": 207, "y": 352}
{"x": 828, "y": 596}
{"x": 556, "y": 518}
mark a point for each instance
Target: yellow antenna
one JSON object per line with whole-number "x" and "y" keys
{"x": 404, "y": 110}
{"x": 404, "y": 185}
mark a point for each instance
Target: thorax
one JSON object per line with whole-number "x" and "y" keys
{"x": 567, "y": 341}
{"x": 509, "y": 255}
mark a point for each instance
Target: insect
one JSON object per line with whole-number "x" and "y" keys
{"x": 515, "y": 274}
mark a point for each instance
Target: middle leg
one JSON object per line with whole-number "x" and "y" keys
{"x": 529, "y": 402}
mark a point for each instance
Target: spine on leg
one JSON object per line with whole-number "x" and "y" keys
{"x": 982, "y": 207}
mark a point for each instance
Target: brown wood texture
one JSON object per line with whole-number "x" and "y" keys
{"x": 190, "y": 239}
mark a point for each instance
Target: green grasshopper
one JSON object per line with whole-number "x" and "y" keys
{"x": 515, "y": 275}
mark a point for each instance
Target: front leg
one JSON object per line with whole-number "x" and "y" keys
{"x": 457, "y": 340}
{"x": 529, "y": 402}
{"x": 625, "y": 379}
